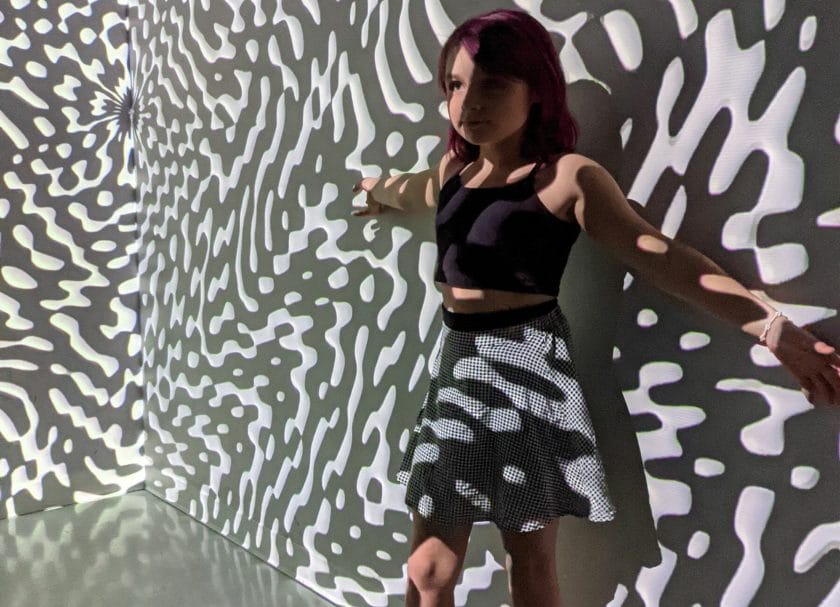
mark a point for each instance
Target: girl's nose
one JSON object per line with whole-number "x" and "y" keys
{"x": 472, "y": 103}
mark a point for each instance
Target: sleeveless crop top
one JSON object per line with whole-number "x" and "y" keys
{"x": 500, "y": 238}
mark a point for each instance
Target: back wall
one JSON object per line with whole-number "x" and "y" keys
{"x": 287, "y": 344}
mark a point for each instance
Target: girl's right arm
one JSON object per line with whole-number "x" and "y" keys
{"x": 409, "y": 192}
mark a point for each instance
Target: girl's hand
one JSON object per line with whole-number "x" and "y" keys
{"x": 814, "y": 363}
{"x": 372, "y": 206}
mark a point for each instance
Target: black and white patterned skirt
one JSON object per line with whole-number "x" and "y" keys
{"x": 504, "y": 434}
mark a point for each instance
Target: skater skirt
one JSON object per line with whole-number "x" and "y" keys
{"x": 504, "y": 433}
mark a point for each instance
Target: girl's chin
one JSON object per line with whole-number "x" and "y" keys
{"x": 480, "y": 135}
{"x": 472, "y": 137}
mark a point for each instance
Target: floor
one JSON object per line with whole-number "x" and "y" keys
{"x": 133, "y": 550}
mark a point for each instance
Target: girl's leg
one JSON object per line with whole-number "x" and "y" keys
{"x": 434, "y": 565}
{"x": 531, "y": 566}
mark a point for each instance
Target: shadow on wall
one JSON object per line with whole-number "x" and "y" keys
{"x": 594, "y": 558}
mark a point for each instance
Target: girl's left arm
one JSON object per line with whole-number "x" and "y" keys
{"x": 605, "y": 215}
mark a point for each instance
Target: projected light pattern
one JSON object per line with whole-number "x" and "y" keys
{"x": 286, "y": 343}
{"x": 70, "y": 400}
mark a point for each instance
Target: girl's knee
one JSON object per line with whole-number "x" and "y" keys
{"x": 433, "y": 570}
{"x": 437, "y": 555}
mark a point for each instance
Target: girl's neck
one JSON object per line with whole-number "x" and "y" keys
{"x": 497, "y": 157}
{"x": 503, "y": 163}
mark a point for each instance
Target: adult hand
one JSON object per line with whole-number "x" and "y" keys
{"x": 372, "y": 207}
{"x": 814, "y": 363}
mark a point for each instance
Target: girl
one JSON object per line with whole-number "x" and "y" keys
{"x": 504, "y": 434}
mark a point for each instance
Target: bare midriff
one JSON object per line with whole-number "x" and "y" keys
{"x": 468, "y": 301}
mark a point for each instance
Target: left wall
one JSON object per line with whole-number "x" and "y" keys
{"x": 71, "y": 405}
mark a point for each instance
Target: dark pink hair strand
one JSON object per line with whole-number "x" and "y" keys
{"x": 513, "y": 43}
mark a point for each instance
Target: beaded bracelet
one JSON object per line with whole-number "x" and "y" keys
{"x": 763, "y": 337}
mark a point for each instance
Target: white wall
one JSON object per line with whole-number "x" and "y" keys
{"x": 286, "y": 344}
{"x": 71, "y": 403}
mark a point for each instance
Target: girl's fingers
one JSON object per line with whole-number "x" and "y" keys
{"x": 824, "y": 392}
{"x": 829, "y": 376}
{"x": 372, "y": 208}
{"x": 823, "y": 348}
{"x": 826, "y": 383}
{"x": 817, "y": 389}
{"x": 362, "y": 184}
{"x": 814, "y": 362}
{"x": 807, "y": 389}
{"x": 375, "y": 207}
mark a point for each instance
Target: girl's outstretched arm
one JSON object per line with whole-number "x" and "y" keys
{"x": 408, "y": 192}
{"x": 605, "y": 215}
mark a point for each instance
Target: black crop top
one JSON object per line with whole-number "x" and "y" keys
{"x": 500, "y": 238}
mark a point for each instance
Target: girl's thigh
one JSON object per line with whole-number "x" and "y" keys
{"x": 532, "y": 550}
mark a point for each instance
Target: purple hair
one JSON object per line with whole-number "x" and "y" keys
{"x": 512, "y": 43}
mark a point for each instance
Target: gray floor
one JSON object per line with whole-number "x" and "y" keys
{"x": 133, "y": 550}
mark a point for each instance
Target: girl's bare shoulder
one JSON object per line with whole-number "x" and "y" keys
{"x": 556, "y": 182}
{"x": 560, "y": 167}
{"x": 448, "y": 166}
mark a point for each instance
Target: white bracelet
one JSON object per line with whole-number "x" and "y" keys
{"x": 763, "y": 337}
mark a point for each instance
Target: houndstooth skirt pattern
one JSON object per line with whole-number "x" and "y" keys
{"x": 504, "y": 433}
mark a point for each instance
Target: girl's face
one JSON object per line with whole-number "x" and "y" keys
{"x": 485, "y": 108}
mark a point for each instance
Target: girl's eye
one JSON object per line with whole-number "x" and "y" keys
{"x": 453, "y": 84}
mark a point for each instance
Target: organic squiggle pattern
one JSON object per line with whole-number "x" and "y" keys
{"x": 281, "y": 335}
{"x": 70, "y": 403}
{"x": 286, "y": 345}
